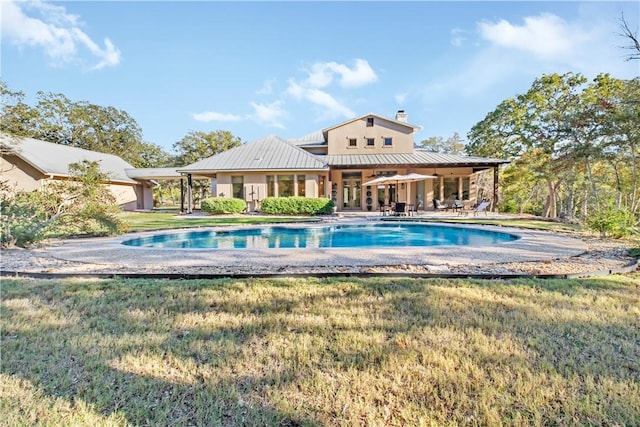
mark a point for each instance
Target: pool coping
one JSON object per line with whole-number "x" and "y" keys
{"x": 531, "y": 246}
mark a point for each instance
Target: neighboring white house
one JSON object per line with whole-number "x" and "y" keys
{"x": 29, "y": 164}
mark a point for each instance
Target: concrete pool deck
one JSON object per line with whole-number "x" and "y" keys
{"x": 110, "y": 254}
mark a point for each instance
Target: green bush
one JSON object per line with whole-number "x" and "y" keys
{"x": 296, "y": 206}
{"x": 223, "y": 205}
{"x": 20, "y": 216}
{"x": 613, "y": 222}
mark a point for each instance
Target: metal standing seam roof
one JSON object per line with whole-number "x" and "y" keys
{"x": 268, "y": 153}
{"x": 54, "y": 159}
{"x": 153, "y": 173}
{"x": 418, "y": 157}
{"x": 314, "y": 139}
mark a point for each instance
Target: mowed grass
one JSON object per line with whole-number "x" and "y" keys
{"x": 149, "y": 221}
{"x": 320, "y": 352}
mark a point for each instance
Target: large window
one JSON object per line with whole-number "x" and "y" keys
{"x": 285, "y": 186}
{"x": 465, "y": 188}
{"x": 451, "y": 188}
{"x": 301, "y": 185}
{"x": 271, "y": 186}
{"x": 237, "y": 186}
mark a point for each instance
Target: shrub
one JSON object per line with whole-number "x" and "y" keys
{"x": 81, "y": 205}
{"x": 614, "y": 222}
{"x": 296, "y": 206}
{"x": 223, "y": 205}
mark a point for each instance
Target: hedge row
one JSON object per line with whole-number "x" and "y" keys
{"x": 296, "y": 206}
{"x": 223, "y": 205}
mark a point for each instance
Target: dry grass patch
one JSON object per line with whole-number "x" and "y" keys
{"x": 321, "y": 352}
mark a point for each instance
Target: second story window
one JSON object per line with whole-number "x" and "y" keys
{"x": 369, "y": 122}
{"x": 352, "y": 142}
{"x": 388, "y": 142}
{"x": 370, "y": 142}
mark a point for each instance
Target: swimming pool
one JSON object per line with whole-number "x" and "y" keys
{"x": 327, "y": 236}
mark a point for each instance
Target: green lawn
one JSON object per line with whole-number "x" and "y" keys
{"x": 143, "y": 221}
{"x": 320, "y": 352}
{"x": 536, "y": 224}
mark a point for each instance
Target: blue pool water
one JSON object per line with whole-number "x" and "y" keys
{"x": 334, "y": 236}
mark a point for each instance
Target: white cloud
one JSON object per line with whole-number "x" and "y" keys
{"x": 212, "y": 116}
{"x": 546, "y": 36}
{"x": 330, "y": 107}
{"x": 400, "y": 98}
{"x": 322, "y": 74}
{"x": 269, "y": 114}
{"x": 457, "y": 37}
{"x": 267, "y": 87}
{"x": 53, "y": 30}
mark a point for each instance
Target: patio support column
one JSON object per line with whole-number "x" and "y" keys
{"x": 189, "y": 193}
{"x": 181, "y": 194}
{"x": 495, "y": 188}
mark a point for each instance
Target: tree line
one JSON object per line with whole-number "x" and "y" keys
{"x": 55, "y": 118}
{"x": 574, "y": 146}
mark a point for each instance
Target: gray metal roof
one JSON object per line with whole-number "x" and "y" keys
{"x": 418, "y": 157}
{"x": 313, "y": 139}
{"x": 54, "y": 159}
{"x": 269, "y": 153}
{"x": 153, "y": 173}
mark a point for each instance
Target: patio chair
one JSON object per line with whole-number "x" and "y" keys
{"x": 384, "y": 209}
{"x": 457, "y": 205}
{"x": 440, "y": 206}
{"x": 413, "y": 208}
{"x": 482, "y": 207}
{"x": 399, "y": 209}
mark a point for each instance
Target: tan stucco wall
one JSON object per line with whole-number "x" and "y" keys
{"x": 338, "y": 138}
{"x": 19, "y": 175}
{"x": 257, "y": 182}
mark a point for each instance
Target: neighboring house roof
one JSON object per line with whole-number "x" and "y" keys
{"x": 269, "y": 153}
{"x": 407, "y": 125}
{"x": 54, "y": 159}
{"x": 153, "y": 173}
{"x": 418, "y": 157}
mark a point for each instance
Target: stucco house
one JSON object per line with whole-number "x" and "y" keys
{"x": 29, "y": 164}
{"x": 339, "y": 161}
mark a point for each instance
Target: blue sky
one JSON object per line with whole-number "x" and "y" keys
{"x": 291, "y": 68}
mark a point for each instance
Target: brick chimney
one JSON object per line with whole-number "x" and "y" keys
{"x": 401, "y": 116}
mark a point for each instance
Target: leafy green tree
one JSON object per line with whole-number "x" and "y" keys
{"x": 436, "y": 144}
{"x": 534, "y": 123}
{"x": 16, "y": 117}
{"x": 57, "y": 119}
{"x": 200, "y": 145}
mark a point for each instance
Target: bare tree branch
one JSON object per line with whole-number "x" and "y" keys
{"x": 634, "y": 46}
